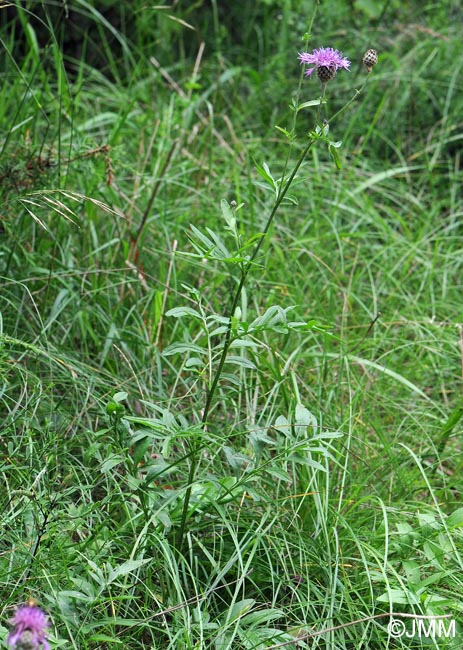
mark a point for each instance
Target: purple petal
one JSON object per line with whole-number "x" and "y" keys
{"x": 13, "y": 638}
{"x": 324, "y": 57}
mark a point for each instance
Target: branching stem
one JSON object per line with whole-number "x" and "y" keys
{"x": 228, "y": 337}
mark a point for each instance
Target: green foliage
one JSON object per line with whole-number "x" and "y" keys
{"x": 320, "y": 484}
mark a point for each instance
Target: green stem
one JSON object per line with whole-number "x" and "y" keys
{"x": 319, "y": 112}
{"x": 352, "y": 99}
{"x": 244, "y": 275}
{"x": 308, "y": 36}
{"x": 228, "y": 338}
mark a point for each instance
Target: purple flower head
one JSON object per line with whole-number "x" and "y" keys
{"x": 29, "y": 629}
{"x": 324, "y": 57}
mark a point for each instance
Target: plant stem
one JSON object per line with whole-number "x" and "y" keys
{"x": 357, "y": 92}
{"x": 244, "y": 275}
{"x": 228, "y": 338}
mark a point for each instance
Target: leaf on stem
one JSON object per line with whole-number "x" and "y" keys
{"x": 311, "y": 102}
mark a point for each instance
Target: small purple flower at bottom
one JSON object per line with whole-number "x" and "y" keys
{"x": 324, "y": 57}
{"x": 29, "y": 631}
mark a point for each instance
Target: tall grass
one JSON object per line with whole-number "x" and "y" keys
{"x": 326, "y": 483}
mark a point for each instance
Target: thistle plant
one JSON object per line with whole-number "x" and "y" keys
{"x": 326, "y": 61}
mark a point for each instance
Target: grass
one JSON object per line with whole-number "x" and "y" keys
{"x": 326, "y": 486}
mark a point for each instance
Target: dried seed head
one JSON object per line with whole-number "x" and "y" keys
{"x": 370, "y": 59}
{"x": 326, "y": 73}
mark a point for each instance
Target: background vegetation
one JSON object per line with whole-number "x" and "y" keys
{"x": 328, "y": 487}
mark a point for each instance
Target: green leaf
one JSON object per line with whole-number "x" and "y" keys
{"x": 125, "y": 568}
{"x": 455, "y": 519}
{"x": 115, "y": 409}
{"x": 312, "y": 102}
{"x": 261, "y": 616}
{"x": 112, "y": 462}
{"x": 194, "y": 362}
{"x": 335, "y": 155}
{"x": 304, "y": 417}
{"x": 178, "y": 312}
{"x": 240, "y": 608}
{"x": 279, "y": 473}
{"x": 282, "y": 424}
{"x": 241, "y": 361}
{"x": 403, "y": 528}
{"x": 229, "y": 216}
{"x": 432, "y": 579}
{"x": 305, "y": 461}
{"x": 412, "y": 570}
{"x": 272, "y": 317}
{"x": 452, "y": 421}
{"x": 264, "y": 171}
{"x": 289, "y": 134}
{"x": 398, "y": 597}
{"x": 181, "y": 348}
{"x": 156, "y": 309}
{"x": 209, "y": 245}
{"x": 428, "y": 522}
{"x": 140, "y": 449}
{"x": 103, "y": 638}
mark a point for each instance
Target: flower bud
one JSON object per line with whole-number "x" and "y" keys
{"x": 370, "y": 59}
